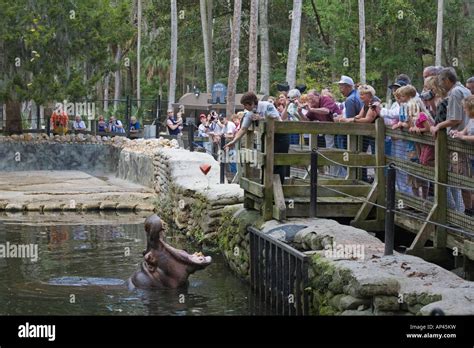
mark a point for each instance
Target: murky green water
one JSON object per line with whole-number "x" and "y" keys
{"x": 100, "y": 251}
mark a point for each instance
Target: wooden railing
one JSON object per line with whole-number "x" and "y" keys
{"x": 350, "y": 196}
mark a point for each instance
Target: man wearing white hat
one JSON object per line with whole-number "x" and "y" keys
{"x": 352, "y": 105}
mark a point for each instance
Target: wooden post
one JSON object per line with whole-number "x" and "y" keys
{"x": 279, "y": 210}
{"x": 352, "y": 147}
{"x": 440, "y": 192}
{"x": 380, "y": 172}
{"x": 314, "y": 184}
{"x": 390, "y": 212}
{"x": 246, "y": 170}
{"x": 267, "y": 209}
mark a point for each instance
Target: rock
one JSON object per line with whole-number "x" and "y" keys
{"x": 14, "y": 207}
{"x": 145, "y": 207}
{"x": 126, "y": 206}
{"x": 349, "y": 302}
{"x": 367, "y": 312}
{"x": 53, "y": 206}
{"x": 91, "y": 206}
{"x": 108, "y": 206}
{"x": 372, "y": 285}
{"x": 386, "y": 303}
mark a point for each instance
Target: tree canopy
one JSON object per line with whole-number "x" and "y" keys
{"x": 52, "y": 50}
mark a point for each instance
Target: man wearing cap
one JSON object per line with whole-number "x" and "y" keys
{"x": 352, "y": 105}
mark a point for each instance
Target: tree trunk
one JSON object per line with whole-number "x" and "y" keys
{"x": 294, "y": 43}
{"x": 234, "y": 59}
{"x": 207, "y": 45}
{"x": 439, "y": 33}
{"x": 264, "y": 49}
{"x": 139, "y": 47}
{"x": 117, "y": 78}
{"x": 13, "y": 117}
{"x": 362, "y": 41}
{"x": 174, "y": 53}
{"x": 106, "y": 92}
{"x": 253, "y": 46}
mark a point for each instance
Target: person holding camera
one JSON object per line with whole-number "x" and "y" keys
{"x": 115, "y": 126}
{"x": 258, "y": 110}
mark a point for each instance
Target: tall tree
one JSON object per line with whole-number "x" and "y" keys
{"x": 207, "y": 43}
{"x": 234, "y": 59}
{"x": 106, "y": 92}
{"x": 174, "y": 53}
{"x": 139, "y": 49}
{"x": 439, "y": 32}
{"x": 264, "y": 48}
{"x": 362, "y": 41}
{"x": 117, "y": 78}
{"x": 253, "y": 45}
{"x": 294, "y": 43}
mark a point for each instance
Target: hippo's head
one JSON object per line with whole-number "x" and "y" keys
{"x": 153, "y": 229}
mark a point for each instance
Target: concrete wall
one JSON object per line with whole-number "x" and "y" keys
{"x": 136, "y": 167}
{"x": 91, "y": 158}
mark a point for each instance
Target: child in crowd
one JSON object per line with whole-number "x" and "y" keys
{"x": 415, "y": 118}
{"x": 400, "y": 147}
{"x": 423, "y": 122}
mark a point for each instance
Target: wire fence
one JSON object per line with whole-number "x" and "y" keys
{"x": 414, "y": 205}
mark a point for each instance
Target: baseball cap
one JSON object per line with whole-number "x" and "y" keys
{"x": 346, "y": 80}
{"x": 398, "y": 83}
{"x": 202, "y": 116}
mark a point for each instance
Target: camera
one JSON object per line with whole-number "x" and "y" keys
{"x": 426, "y": 96}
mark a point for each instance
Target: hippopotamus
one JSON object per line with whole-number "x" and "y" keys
{"x": 163, "y": 265}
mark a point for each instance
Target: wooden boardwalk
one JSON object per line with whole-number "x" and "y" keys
{"x": 431, "y": 219}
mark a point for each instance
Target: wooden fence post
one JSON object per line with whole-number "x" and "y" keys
{"x": 267, "y": 208}
{"x": 441, "y": 192}
{"x": 380, "y": 172}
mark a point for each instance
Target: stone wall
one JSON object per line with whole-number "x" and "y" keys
{"x": 191, "y": 201}
{"x": 363, "y": 281}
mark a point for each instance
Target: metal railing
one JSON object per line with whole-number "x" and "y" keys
{"x": 278, "y": 275}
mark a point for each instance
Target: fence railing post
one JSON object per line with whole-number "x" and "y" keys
{"x": 267, "y": 208}
{"x": 222, "y": 160}
{"x": 379, "y": 171}
{"x": 390, "y": 211}
{"x": 191, "y": 136}
{"x": 314, "y": 184}
{"x": 441, "y": 191}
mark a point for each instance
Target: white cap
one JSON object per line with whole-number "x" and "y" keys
{"x": 346, "y": 80}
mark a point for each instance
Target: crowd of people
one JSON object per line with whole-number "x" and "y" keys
{"x": 60, "y": 124}
{"x": 444, "y": 103}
